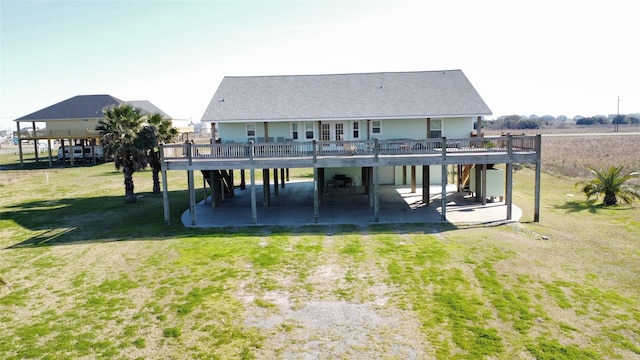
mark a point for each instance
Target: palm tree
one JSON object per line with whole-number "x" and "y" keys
{"x": 611, "y": 183}
{"x": 157, "y": 131}
{"x": 119, "y": 139}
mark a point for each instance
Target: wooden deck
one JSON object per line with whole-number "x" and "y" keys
{"x": 371, "y": 153}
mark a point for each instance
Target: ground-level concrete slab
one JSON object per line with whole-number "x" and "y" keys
{"x": 347, "y": 205}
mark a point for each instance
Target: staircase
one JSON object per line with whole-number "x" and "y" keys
{"x": 465, "y": 176}
{"x": 227, "y": 180}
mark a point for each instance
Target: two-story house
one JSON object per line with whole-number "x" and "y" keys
{"x": 368, "y": 128}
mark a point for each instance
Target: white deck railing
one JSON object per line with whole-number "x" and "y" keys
{"x": 374, "y": 147}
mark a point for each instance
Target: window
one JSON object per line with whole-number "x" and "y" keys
{"x": 251, "y": 130}
{"x": 308, "y": 130}
{"x": 294, "y": 131}
{"x": 356, "y": 130}
{"x": 436, "y": 129}
{"x": 376, "y": 127}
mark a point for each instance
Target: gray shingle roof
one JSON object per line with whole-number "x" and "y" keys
{"x": 148, "y": 108}
{"x": 86, "y": 107}
{"x": 77, "y": 107}
{"x": 345, "y": 96}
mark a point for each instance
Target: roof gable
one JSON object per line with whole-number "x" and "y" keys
{"x": 345, "y": 96}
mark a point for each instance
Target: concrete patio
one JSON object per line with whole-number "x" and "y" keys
{"x": 294, "y": 206}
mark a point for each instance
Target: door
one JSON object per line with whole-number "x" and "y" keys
{"x": 333, "y": 131}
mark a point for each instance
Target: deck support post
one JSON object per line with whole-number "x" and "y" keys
{"x": 282, "y": 178}
{"x": 232, "y": 188}
{"x": 265, "y": 187}
{"x": 413, "y": 179}
{"x": 508, "y": 191}
{"x": 478, "y": 187}
{"x": 93, "y": 150}
{"x": 536, "y": 212}
{"x": 404, "y": 175}
{"x": 212, "y": 188}
{"x": 443, "y": 199}
{"x": 192, "y": 196}
{"x": 425, "y": 184}
{"x": 165, "y": 187}
{"x": 216, "y": 186}
{"x": 243, "y": 184}
{"x": 71, "y": 152}
{"x": 316, "y": 196}
{"x": 62, "y": 148}
{"x": 365, "y": 180}
{"x": 371, "y": 185}
{"x": 254, "y": 206}
{"x": 20, "y": 145}
{"x": 484, "y": 184}
{"x": 443, "y": 180}
{"x": 321, "y": 184}
{"x": 276, "y": 189}
{"x": 50, "y": 153}
{"x": 376, "y": 195}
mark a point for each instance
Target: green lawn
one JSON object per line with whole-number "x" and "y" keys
{"x": 92, "y": 277}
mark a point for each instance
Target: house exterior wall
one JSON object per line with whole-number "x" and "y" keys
{"x": 401, "y": 129}
{"x": 435, "y": 175}
{"x": 73, "y": 125}
{"x": 457, "y": 127}
{"x": 236, "y": 132}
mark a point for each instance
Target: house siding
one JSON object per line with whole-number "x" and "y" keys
{"x": 402, "y": 129}
{"x": 435, "y": 175}
{"x": 73, "y": 125}
{"x": 390, "y": 129}
{"x": 459, "y": 127}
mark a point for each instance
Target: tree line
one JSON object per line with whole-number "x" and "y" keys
{"x": 535, "y": 122}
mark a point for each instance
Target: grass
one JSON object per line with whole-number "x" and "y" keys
{"x": 570, "y": 156}
{"x": 93, "y": 277}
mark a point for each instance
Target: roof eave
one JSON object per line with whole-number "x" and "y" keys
{"x": 354, "y": 118}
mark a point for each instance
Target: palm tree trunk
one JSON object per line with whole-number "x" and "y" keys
{"x": 127, "y": 170}
{"x": 610, "y": 199}
{"x": 155, "y": 172}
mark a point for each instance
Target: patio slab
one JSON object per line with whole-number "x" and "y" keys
{"x": 294, "y": 206}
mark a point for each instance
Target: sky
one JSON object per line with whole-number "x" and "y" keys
{"x": 556, "y": 57}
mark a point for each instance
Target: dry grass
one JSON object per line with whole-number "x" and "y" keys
{"x": 596, "y": 146}
{"x": 570, "y": 156}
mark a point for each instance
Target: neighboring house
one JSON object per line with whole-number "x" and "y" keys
{"x": 367, "y": 129}
{"x": 74, "y": 120}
